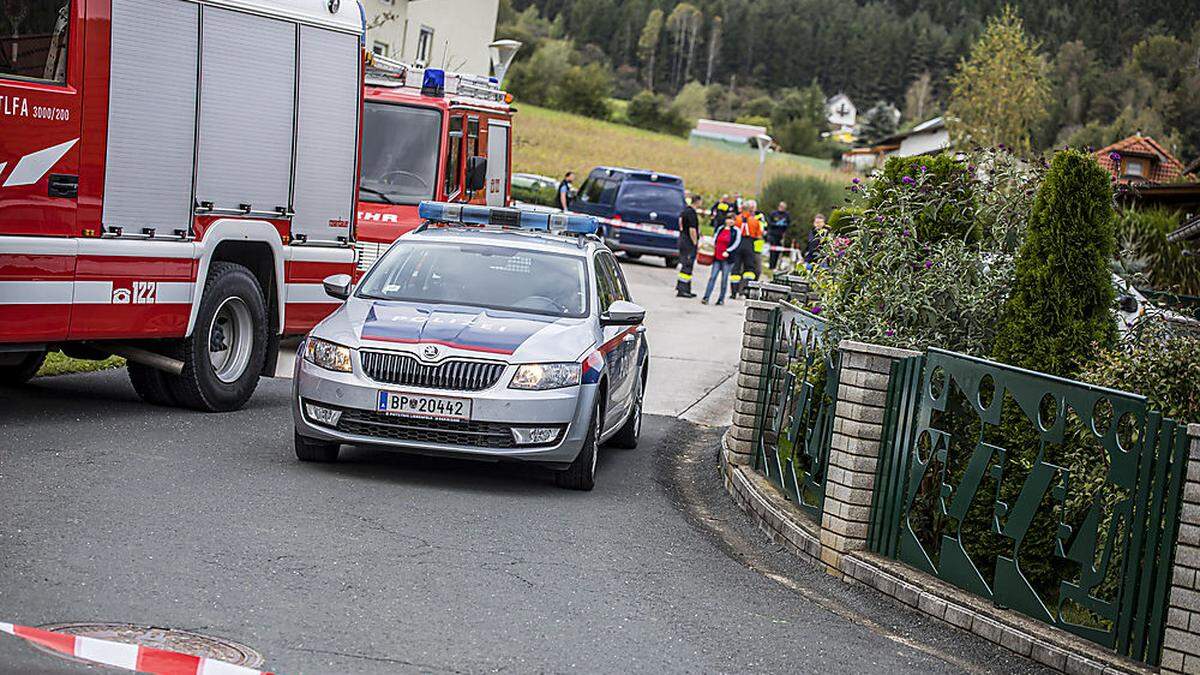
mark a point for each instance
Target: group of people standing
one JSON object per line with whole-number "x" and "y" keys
{"x": 740, "y": 233}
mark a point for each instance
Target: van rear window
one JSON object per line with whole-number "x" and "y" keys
{"x": 651, "y": 197}
{"x": 33, "y": 41}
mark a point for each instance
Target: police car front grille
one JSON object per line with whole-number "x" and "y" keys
{"x": 402, "y": 369}
{"x": 416, "y": 430}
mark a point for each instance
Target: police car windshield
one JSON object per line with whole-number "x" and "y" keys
{"x": 651, "y": 197}
{"x": 399, "y": 153}
{"x": 478, "y": 275}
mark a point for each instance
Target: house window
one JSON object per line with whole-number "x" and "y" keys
{"x": 35, "y": 45}
{"x": 1135, "y": 168}
{"x": 379, "y": 48}
{"x": 424, "y": 44}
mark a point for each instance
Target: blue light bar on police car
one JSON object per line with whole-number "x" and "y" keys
{"x": 470, "y": 214}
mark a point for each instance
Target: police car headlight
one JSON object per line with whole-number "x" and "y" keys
{"x": 327, "y": 355}
{"x": 546, "y": 376}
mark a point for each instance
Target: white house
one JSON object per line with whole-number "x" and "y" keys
{"x": 927, "y": 137}
{"x": 450, "y": 34}
{"x": 840, "y": 112}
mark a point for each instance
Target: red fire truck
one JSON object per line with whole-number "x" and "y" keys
{"x": 176, "y": 179}
{"x": 428, "y": 134}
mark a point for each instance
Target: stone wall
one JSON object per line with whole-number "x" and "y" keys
{"x": 838, "y": 542}
{"x": 854, "y": 449}
{"x": 1181, "y": 643}
{"x": 740, "y": 437}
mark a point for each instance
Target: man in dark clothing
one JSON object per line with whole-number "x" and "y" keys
{"x": 777, "y": 226}
{"x": 689, "y": 239}
{"x": 720, "y": 211}
{"x": 564, "y": 191}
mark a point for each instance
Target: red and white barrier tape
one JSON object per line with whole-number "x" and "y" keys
{"x": 127, "y": 656}
{"x": 643, "y": 227}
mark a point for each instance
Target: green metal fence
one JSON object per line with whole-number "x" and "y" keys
{"x": 1188, "y": 305}
{"x": 794, "y": 416}
{"x": 1054, "y": 498}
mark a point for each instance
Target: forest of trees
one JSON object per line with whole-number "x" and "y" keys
{"x": 1113, "y": 66}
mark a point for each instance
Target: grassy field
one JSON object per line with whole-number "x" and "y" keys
{"x": 550, "y": 142}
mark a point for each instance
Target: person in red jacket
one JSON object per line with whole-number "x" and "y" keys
{"x": 725, "y": 247}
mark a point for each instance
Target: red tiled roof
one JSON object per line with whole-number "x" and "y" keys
{"x": 1164, "y": 168}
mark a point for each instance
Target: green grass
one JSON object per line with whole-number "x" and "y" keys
{"x": 58, "y": 363}
{"x": 551, "y": 142}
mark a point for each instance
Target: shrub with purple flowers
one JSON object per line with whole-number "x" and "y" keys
{"x": 927, "y": 257}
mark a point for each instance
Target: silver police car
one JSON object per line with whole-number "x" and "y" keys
{"x": 487, "y": 332}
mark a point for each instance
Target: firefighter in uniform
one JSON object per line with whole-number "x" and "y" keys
{"x": 748, "y": 265}
{"x": 720, "y": 211}
{"x": 689, "y": 240}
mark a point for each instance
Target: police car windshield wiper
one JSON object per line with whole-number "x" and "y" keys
{"x": 378, "y": 193}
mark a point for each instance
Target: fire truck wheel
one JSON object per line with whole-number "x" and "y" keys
{"x": 225, "y": 353}
{"x": 312, "y": 450}
{"x": 151, "y": 384}
{"x": 20, "y": 368}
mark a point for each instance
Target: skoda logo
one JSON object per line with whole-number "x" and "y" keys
{"x": 334, "y": 6}
{"x": 431, "y": 351}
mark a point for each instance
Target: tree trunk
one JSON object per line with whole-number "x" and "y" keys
{"x": 714, "y": 45}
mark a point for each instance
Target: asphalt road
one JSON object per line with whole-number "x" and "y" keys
{"x": 111, "y": 510}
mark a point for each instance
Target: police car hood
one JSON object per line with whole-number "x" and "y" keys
{"x": 472, "y": 331}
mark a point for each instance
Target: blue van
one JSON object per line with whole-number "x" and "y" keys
{"x": 638, "y": 210}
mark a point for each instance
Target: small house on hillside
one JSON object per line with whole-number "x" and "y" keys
{"x": 840, "y": 111}
{"x": 927, "y": 137}
{"x": 842, "y": 117}
{"x": 744, "y": 135}
{"x": 1140, "y": 159}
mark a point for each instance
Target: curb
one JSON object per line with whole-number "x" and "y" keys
{"x": 1045, "y": 644}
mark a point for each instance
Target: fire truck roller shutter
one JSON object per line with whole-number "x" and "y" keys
{"x": 326, "y": 133}
{"x": 152, "y": 115}
{"x": 247, "y": 104}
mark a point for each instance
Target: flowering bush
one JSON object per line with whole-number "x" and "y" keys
{"x": 926, "y": 259}
{"x": 1159, "y": 361}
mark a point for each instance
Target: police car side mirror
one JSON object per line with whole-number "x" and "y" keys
{"x": 623, "y": 313}
{"x": 476, "y": 173}
{"x": 337, "y": 286}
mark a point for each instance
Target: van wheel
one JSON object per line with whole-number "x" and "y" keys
{"x": 631, "y": 256}
{"x": 225, "y": 353}
{"x": 151, "y": 384}
{"x": 671, "y": 261}
{"x": 581, "y": 474}
{"x": 19, "y": 368}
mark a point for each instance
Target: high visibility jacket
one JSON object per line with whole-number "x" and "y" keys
{"x": 751, "y": 226}
{"x": 719, "y": 212}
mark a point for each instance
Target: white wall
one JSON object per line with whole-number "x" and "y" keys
{"x": 389, "y": 34}
{"x": 462, "y": 30}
